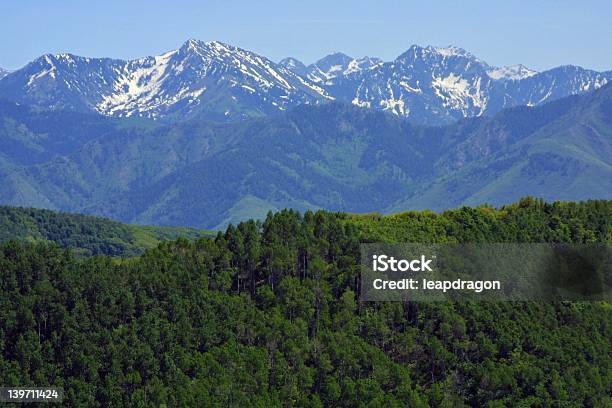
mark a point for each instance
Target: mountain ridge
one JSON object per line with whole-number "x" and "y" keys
{"x": 167, "y": 85}
{"x": 335, "y": 156}
{"x": 86, "y": 234}
{"x": 220, "y": 82}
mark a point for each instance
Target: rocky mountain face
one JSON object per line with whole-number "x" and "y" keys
{"x": 441, "y": 85}
{"x": 212, "y": 80}
{"x": 205, "y": 79}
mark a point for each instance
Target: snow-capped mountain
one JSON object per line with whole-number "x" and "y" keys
{"x": 212, "y": 80}
{"x": 294, "y": 65}
{"x": 3, "y": 73}
{"x": 436, "y": 85}
{"x": 207, "y": 79}
{"x": 512, "y": 73}
{"x": 332, "y": 66}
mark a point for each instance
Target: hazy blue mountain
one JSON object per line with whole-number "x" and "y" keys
{"x": 335, "y": 156}
{"x": 216, "y": 81}
{"x": 3, "y": 73}
{"x": 47, "y": 134}
{"x": 556, "y": 151}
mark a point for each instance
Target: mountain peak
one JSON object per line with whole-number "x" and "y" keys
{"x": 451, "y": 51}
{"x": 419, "y": 52}
{"x": 338, "y": 54}
{"x": 192, "y": 43}
{"x": 221, "y": 82}
{"x": 290, "y": 61}
{"x": 333, "y": 59}
{"x": 199, "y": 46}
{"x": 53, "y": 60}
{"x": 513, "y": 72}
{"x": 329, "y": 67}
{"x": 293, "y": 64}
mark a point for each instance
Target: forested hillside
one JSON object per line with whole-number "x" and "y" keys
{"x": 335, "y": 156}
{"x": 86, "y": 234}
{"x": 528, "y": 220}
{"x": 267, "y": 314}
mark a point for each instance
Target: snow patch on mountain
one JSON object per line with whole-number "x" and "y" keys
{"x": 335, "y": 65}
{"x": 457, "y": 93}
{"x": 513, "y": 73}
{"x": 198, "y": 78}
{"x": 450, "y": 51}
{"x": 139, "y": 87}
{"x": 361, "y": 64}
{"x": 213, "y": 80}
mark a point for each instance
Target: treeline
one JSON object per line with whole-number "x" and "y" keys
{"x": 267, "y": 314}
{"x": 86, "y": 234}
{"x": 528, "y": 220}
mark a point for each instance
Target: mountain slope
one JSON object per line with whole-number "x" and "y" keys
{"x": 269, "y": 315}
{"x": 47, "y": 134}
{"x": 337, "y": 65}
{"x": 308, "y": 158}
{"x": 221, "y": 82}
{"x": 442, "y": 85}
{"x": 210, "y": 80}
{"x": 342, "y": 159}
{"x": 557, "y": 151}
{"x": 86, "y": 234}
{"x": 333, "y": 156}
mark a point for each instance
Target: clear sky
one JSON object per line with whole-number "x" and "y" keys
{"x": 538, "y": 33}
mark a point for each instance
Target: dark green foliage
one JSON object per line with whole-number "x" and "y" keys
{"x": 266, "y": 314}
{"x": 528, "y": 220}
{"x": 86, "y": 234}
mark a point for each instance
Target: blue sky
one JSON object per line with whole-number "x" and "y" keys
{"x": 538, "y": 33}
